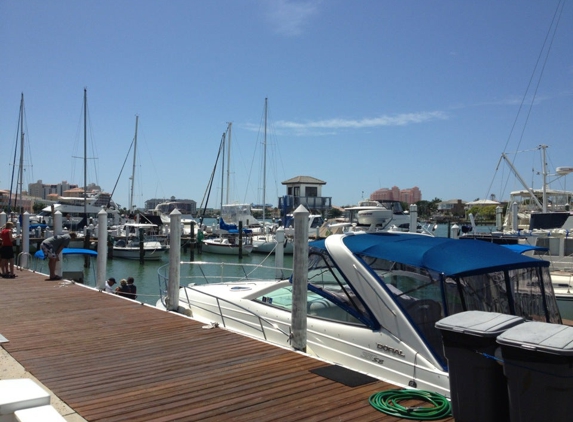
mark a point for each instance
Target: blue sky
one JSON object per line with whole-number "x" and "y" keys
{"x": 363, "y": 95}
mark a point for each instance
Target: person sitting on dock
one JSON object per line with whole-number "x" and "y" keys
{"x": 7, "y": 251}
{"x": 122, "y": 290}
{"x": 109, "y": 285}
{"x": 131, "y": 288}
{"x": 52, "y": 247}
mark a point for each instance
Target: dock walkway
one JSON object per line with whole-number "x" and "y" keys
{"x": 113, "y": 359}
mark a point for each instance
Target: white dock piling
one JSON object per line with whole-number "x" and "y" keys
{"x": 413, "y": 218}
{"x": 279, "y": 251}
{"x": 101, "y": 249}
{"x": 58, "y": 230}
{"x": 25, "y": 240}
{"x": 514, "y": 217}
{"x": 172, "y": 301}
{"x": 300, "y": 278}
{"x": 499, "y": 218}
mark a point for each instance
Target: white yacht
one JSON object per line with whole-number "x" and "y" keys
{"x": 373, "y": 300}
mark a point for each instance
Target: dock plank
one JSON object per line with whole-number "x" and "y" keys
{"x": 112, "y": 359}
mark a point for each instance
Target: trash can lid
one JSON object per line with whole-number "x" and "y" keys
{"x": 540, "y": 336}
{"x": 479, "y": 323}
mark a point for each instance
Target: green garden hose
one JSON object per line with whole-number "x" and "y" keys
{"x": 389, "y": 402}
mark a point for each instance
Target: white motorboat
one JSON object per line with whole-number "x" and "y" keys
{"x": 374, "y": 299}
{"x": 74, "y": 209}
{"x": 153, "y": 250}
{"x": 228, "y": 245}
{"x": 129, "y": 245}
{"x": 373, "y": 216}
{"x": 267, "y": 243}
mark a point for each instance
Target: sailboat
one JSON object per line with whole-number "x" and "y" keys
{"x": 267, "y": 242}
{"x": 138, "y": 240}
{"x": 227, "y": 239}
{"x": 78, "y": 209}
{"x": 21, "y": 163}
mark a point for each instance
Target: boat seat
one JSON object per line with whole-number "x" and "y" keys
{"x": 46, "y": 413}
{"x": 20, "y": 393}
{"x": 324, "y": 308}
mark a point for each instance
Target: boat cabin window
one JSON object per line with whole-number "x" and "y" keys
{"x": 317, "y": 306}
{"x": 316, "y": 222}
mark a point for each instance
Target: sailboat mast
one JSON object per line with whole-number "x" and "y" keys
{"x": 543, "y": 148}
{"x": 21, "y": 170}
{"x": 85, "y": 154}
{"x": 265, "y": 164}
{"x": 223, "y": 144}
{"x": 228, "y": 159}
{"x": 134, "y": 163}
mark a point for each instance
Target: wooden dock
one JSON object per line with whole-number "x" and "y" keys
{"x": 113, "y": 359}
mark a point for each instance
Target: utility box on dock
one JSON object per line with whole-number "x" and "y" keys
{"x": 478, "y": 387}
{"x": 538, "y": 364}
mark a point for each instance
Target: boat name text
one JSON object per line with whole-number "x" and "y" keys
{"x": 390, "y": 349}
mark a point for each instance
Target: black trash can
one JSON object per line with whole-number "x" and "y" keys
{"x": 538, "y": 364}
{"x": 478, "y": 387}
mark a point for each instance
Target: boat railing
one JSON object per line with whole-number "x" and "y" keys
{"x": 197, "y": 273}
{"x": 202, "y": 272}
{"x": 261, "y": 320}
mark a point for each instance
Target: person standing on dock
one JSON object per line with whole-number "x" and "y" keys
{"x": 7, "y": 251}
{"x": 52, "y": 247}
{"x": 131, "y": 288}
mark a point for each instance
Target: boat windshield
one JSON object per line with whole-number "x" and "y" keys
{"x": 325, "y": 280}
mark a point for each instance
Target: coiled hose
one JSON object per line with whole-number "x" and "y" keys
{"x": 389, "y": 402}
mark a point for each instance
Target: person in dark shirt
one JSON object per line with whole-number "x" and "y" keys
{"x": 122, "y": 289}
{"x": 131, "y": 288}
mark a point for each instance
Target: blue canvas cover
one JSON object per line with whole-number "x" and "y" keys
{"x": 68, "y": 251}
{"x": 524, "y": 248}
{"x": 451, "y": 257}
{"x": 231, "y": 228}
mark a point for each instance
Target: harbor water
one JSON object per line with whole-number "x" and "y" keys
{"x": 146, "y": 275}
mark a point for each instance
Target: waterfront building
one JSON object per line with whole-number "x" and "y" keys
{"x": 306, "y": 191}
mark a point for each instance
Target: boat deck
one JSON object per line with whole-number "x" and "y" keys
{"x": 113, "y": 359}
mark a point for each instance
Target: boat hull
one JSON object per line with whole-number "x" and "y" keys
{"x": 216, "y": 247}
{"x": 264, "y": 245}
{"x": 134, "y": 253}
{"x": 563, "y": 287}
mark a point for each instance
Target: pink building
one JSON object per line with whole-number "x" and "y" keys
{"x": 410, "y": 196}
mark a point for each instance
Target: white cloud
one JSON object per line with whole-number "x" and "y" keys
{"x": 330, "y": 126}
{"x": 290, "y": 17}
{"x": 395, "y": 120}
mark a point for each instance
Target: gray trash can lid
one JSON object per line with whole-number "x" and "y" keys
{"x": 540, "y": 336}
{"x": 479, "y": 323}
